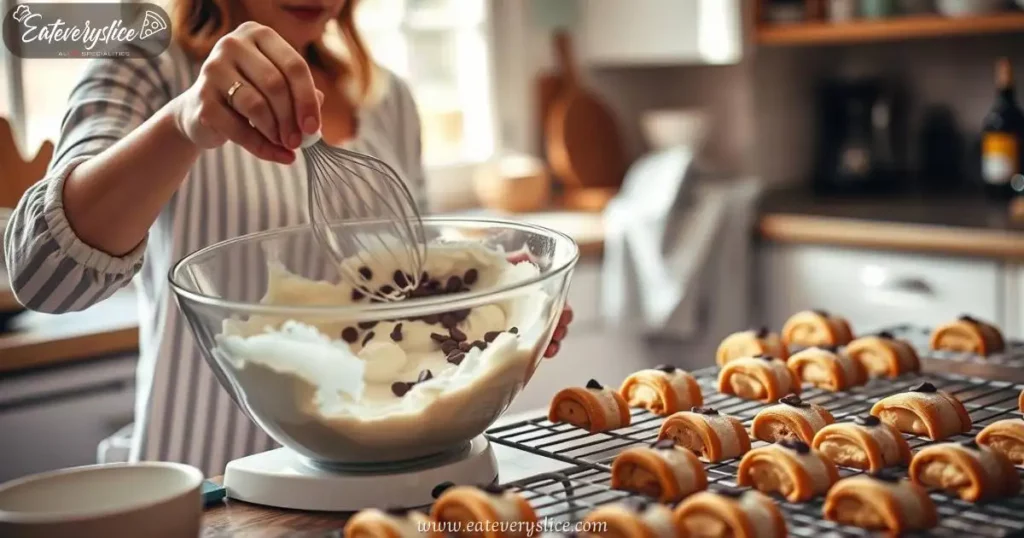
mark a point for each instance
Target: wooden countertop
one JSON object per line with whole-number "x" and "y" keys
{"x": 964, "y": 225}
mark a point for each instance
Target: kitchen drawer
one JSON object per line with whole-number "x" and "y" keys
{"x": 877, "y": 289}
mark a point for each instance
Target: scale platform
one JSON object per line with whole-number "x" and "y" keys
{"x": 283, "y": 479}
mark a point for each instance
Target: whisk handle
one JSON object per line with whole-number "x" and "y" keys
{"x": 309, "y": 140}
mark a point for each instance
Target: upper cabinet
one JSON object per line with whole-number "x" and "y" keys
{"x": 660, "y": 32}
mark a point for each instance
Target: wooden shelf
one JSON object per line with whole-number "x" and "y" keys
{"x": 918, "y": 27}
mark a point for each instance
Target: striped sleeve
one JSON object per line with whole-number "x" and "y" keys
{"x": 51, "y": 268}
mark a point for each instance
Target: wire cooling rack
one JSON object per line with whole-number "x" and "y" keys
{"x": 570, "y": 494}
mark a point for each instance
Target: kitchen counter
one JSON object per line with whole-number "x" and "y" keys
{"x": 955, "y": 225}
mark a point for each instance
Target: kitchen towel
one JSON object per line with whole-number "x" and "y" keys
{"x": 677, "y": 253}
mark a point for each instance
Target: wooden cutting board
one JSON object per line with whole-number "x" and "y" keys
{"x": 583, "y": 143}
{"x": 19, "y": 174}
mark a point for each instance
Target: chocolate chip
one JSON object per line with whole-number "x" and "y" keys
{"x": 799, "y": 447}
{"x": 448, "y": 321}
{"x": 400, "y": 279}
{"x": 397, "y": 511}
{"x": 456, "y": 358}
{"x": 480, "y": 344}
{"x": 465, "y": 346}
{"x": 425, "y": 375}
{"x": 820, "y": 312}
{"x": 453, "y": 285}
{"x": 400, "y": 388}
{"x": 924, "y": 387}
{"x": 733, "y": 493}
{"x": 457, "y": 335}
{"x": 430, "y": 319}
{"x": 357, "y": 295}
{"x": 667, "y": 368}
{"x": 470, "y": 277}
{"x": 440, "y": 488}
{"x": 494, "y": 489}
{"x": 514, "y": 330}
{"x": 396, "y": 333}
{"x": 969, "y": 319}
{"x": 491, "y": 335}
{"x": 369, "y": 336}
{"x": 461, "y": 315}
{"x": 768, "y": 358}
{"x": 448, "y": 346}
{"x": 664, "y": 444}
{"x": 433, "y": 285}
{"x": 886, "y": 335}
{"x": 366, "y": 272}
{"x": 762, "y": 332}
{"x": 593, "y": 384}
{"x": 886, "y": 475}
{"x": 350, "y": 335}
{"x": 386, "y": 290}
{"x": 830, "y": 349}
{"x": 439, "y": 338}
{"x": 367, "y": 324}
{"x": 869, "y": 420}
{"x": 972, "y": 444}
{"x": 704, "y": 410}
{"x": 792, "y": 400}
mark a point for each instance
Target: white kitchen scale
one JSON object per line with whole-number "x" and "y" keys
{"x": 283, "y": 479}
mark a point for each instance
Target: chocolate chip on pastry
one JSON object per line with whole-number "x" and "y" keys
{"x": 1006, "y": 436}
{"x": 732, "y": 514}
{"x": 867, "y": 443}
{"x": 973, "y": 473}
{"x": 750, "y": 343}
{"x": 468, "y": 505}
{"x": 794, "y": 419}
{"x": 827, "y": 370}
{"x": 816, "y": 328}
{"x": 880, "y": 503}
{"x": 789, "y": 468}
{"x": 711, "y": 436}
{"x": 662, "y": 392}
{"x": 924, "y": 411}
{"x": 968, "y": 335}
{"x": 593, "y": 408}
{"x": 884, "y": 356}
{"x": 755, "y": 379}
{"x": 664, "y": 474}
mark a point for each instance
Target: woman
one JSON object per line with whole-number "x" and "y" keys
{"x": 160, "y": 157}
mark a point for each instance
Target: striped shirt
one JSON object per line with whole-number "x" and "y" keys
{"x": 181, "y": 411}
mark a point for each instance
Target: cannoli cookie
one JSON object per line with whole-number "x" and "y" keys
{"x": 662, "y": 471}
{"x": 882, "y": 503}
{"x": 712, "y": 436}
{"x": 761, "y": 378}
{"x": 791, "y": 418}
{"x": 732, "y": 513}
{"x": 1006, "y": 436}
{"x": 969, "y": 335}
{"x": 1020, "y": 402}
{"x": 374, "y": 523}
{"x": 969, "y": 470}
{"x": 882, "y": 355}
{"x": 826, "y": 369}
{"x": 866, "y": 443}
{"x": 790, "y": 468}
{"x": 750, "y": 344}
{"x": 469, "y": 506}
{"x": 633, "y": 519}
{"x": 594, "y": 408}
{"x": 662, "y": 390}
{"x": 816, "y": 328}
{"x": 924, "y": 410}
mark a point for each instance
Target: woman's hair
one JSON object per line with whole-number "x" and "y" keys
{"x": 198, "y": 24}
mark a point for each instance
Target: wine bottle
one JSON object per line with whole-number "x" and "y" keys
{"x": 1002, "y": 139}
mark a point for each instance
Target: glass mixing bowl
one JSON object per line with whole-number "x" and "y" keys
{"x": 279, "y": 328}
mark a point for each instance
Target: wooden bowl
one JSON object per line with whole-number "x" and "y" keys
{"x": 514, "y": 184}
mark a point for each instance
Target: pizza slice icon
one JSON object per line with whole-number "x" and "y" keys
{"x": 152, "y": 24}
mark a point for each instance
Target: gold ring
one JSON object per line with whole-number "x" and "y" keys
{"x": 231, "y": 91}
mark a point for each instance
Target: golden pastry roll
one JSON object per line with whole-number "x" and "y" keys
{"x": 663, "y": 390}
{"x": 790, "y": 468}
{"x": 881, "y": 502}
{"x": 866, "y": 443}
{"x": 791, "y": 418}
{"x": 632, "y": 518}
{"x": 826, "y": 369}
{"x": 924, "y": 410}
{"x": 751, "y": 343}
{"x": 969, "y": 470}
{"x": 375, "y": 523}
{"x": 763, "y": 378}
{"x": 968, "y": 334}
{"x": 712, "y": 436}
{"x": 496, "y": 511}
{"x": 661, "y": 471}
{"x": 594, "y": 408}
{"x": 816, "y": 328}
{"x": 1020, "y": 402}
{"x": 731, "y": 513}
{"x": 1005, "y": 436}
{"x": 883, "y": 355}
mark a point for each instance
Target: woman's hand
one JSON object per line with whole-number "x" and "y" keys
{"x": 561, "y": 330}
{"x": 255, "y": 90}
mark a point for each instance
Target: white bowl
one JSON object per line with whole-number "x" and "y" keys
{"x": 674, "y": 128}
{"x": 151, "y": 499}
{"x": 967, "y": 8}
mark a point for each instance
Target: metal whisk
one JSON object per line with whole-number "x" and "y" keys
{"x": 346, "y": 186}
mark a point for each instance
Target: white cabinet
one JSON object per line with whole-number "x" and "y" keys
{"x": 635, "y": 32}
{"x": 1014, "y": 304}
{"x": 877, "y": 289}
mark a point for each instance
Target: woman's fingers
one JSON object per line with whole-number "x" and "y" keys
{"x": 552, "y": 350}
{"x": 560, "y": 333}
{"x": 250, "y": 103}
{"x": 236, "y": 128}
{"x": 566, "y": 318}
{"x": 295, "y": 71}
{"x": 270, "y": 82}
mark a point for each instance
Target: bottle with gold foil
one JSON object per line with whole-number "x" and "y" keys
{"x": 1002, "y": 139}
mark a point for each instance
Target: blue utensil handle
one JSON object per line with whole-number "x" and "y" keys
{"x": 212, "y": 493}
